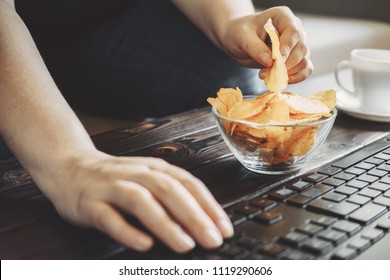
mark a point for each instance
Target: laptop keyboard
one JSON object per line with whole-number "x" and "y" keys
{"x": 337, "y": 212}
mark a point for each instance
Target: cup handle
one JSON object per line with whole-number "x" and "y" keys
{"x": 344, "y": 64}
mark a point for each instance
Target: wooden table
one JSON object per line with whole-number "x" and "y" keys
{"x": 31, "y": 229}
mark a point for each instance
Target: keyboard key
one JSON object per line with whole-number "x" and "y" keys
{"x": 371, "y": 193}
{"x": 294, "y": 238}
{"x": 300, "y": 185}
{"x": 318, "y": 246}
{"x": 381, "y": 200}
{"x": 249, "y": 228}
{"x": 340, "y": 209}
{"x": 347, "y": 227}
{"x": 365, "y": 165}
{"x": 269, "y": 217}
{"x": 323, "y": 188}
{"x": 299, "y": 200}
{"x": 232, "y": 250}
{"x": 310, "y": 228}
{"x": 263, "y": 203}
{"x": 281, "y": 194}
{"x": 380, "y": 186}
{"x": 359, "y": 244}
{"x": 383, "y": 156}
{"x": 336, "y": 197}
{"x": 355, "y": 171}
{"x": 385, "y": 167}
{"x": 251, "y": 241}
{"x": 329, "y": 170}
{"x": 345, "y": 176}
{"x": 357, "y": 184}
{"x": 274, "y": 250}
{"x": 355, "y": 158}
{"x": 315, "y": 177}
{"x": 346, "y": 190}
{"x": 344, "y": 254}
{"x": 333, "y": 182}
{"x": 377, "y": 172}
{"x": 337, "y": 237}
{"x": 368, "y": 213}
{"x": 367, "y": 178}
{"x": 298, "y": 255}
{"x": 385, "y": 180}
{"x": 384, "y": 224}
{"x": 324, "y": 221}
{"x": 373, "y": 234}
{"x": 246, "y": 209}
{"x": 358, "y": 199}
{"x": 374, "y": 160}
{"x": 387, "y": 193}
{"x": 312, "y": 193}
{"x": 236, "y": 218}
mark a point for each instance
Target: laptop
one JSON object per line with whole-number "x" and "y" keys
{"x": 339, "y": 210}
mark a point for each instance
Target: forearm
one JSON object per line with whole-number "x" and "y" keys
{"x": 35, "y": 120}
{"x": 211, "y": 17}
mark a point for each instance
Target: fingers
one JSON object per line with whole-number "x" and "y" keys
{"x": 182, "y": 206}
{"x": 108, "y": 220}
{"x": 184, "y": 197}
{"x": 203, "y": 196}
{"x": 301, "y": 71}
{"x": 197, "y": 189}
{"x": 250, "y": 50}
{"x": 137, "y": 200}
{"x": 259, "y": 53}
{"x": 293, "y": 45}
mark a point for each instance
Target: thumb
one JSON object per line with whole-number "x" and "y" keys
{"x": 258, "y": 50}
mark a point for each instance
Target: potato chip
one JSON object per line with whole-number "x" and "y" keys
{"x": 229, "y": 96}
{"x": 300, "y": 104}
{"x": 248, "y": 108}
{"x": 279, "y": 111}
{"x": 275, "y": 144}
{"x": 276, "y": 77}
{"x": 217, "y": 104}
{"x": 328, "y": 97}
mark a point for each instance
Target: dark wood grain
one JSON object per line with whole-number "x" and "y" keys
{"x": 159, "y": 131}
{"x": 30, "y": 228}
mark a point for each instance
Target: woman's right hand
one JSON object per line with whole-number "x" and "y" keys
{"x": 94, "y": 189}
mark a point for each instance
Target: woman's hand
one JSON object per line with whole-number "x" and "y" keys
{"x": 95, "y": 189}
{"x": 244, "y": 39}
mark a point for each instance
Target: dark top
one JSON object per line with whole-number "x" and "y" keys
{"x": 48, "y": 19}
{"x": 51, "y": 15}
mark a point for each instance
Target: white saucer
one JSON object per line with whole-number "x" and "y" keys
{"x": 350, "y": 105}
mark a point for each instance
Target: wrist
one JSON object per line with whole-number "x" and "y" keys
{"x": 52, "y": 171}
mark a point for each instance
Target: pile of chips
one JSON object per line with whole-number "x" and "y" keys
{"x": 279, "y": 137}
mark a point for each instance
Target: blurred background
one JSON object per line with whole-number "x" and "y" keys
{"x": 365, "y": 9}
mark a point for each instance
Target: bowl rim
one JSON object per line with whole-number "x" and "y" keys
{"x": 334, "y": 113}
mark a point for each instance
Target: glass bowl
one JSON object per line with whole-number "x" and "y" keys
{"x": 273, "y": 148}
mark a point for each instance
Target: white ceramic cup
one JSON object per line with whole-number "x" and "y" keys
{"x": 371, "y": 79}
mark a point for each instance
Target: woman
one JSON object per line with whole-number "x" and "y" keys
{"x": 128, "y": 59}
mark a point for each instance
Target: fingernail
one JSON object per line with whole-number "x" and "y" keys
{"x": 213, "y": 238}
{"x": 226, "y": 227}
{"x": 143, "y": 244}
{"x": 266, "y": 59}
{"x": 262, "y": 73}
{"x": 183, "y": 241}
